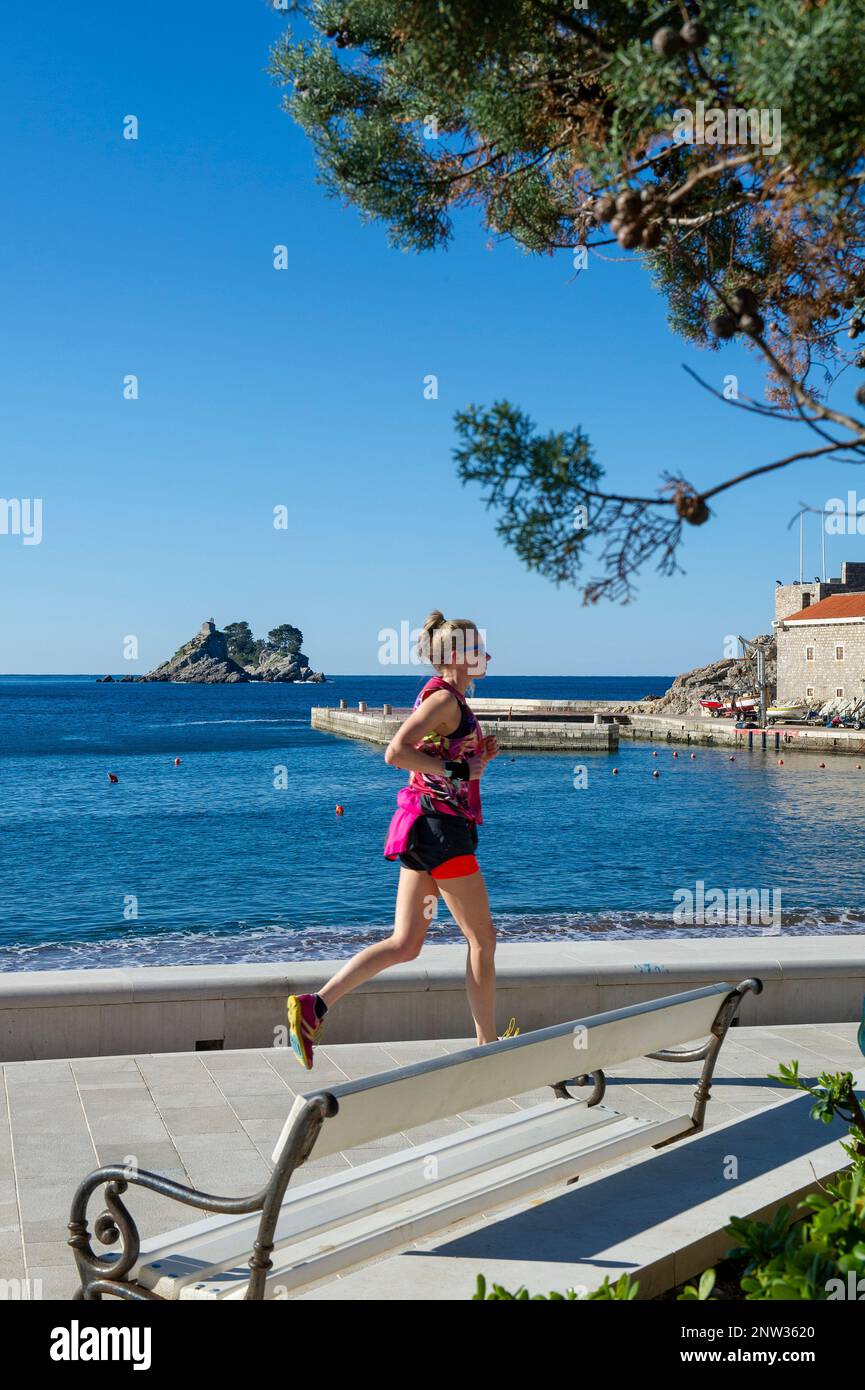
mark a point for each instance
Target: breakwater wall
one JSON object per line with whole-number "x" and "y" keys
{"x": 564, "y": 726}
{"x": 548, "y": 731}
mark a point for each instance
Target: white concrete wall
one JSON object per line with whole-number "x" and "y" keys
{"x": 88, "y": 1013}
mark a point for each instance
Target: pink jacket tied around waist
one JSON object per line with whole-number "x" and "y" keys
{"x": 428, "y": 794}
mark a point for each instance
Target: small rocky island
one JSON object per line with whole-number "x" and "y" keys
{"x": 233, "y": 656}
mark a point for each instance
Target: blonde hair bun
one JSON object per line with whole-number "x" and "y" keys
{"x": 439, "y": 637}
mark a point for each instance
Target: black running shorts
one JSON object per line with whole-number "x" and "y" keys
{"x": 435, "y": 839}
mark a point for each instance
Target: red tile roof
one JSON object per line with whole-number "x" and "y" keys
{"x": 838, "y": 606}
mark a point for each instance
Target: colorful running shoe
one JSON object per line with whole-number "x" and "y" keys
{"x": 304, "y": 1027}
{"x": 510, "y": 1032}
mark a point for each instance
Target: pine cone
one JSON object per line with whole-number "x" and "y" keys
{"x": 723, "y": 325}
{"x": 752, "y": 324}
{"x": 629, "y": 203}
{"x": 743, "y": 301}
{"x": 666, "y": 42}
{"x": 630, "y": 235}
{"x": 694, "y": 34}
{"x": 691, "y": 508}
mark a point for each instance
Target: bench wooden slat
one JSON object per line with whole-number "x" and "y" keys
{"x": 398, "y": 1100}
{"x": 338, "y": 1221}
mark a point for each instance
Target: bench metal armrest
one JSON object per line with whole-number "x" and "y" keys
{"x": 109, "y": 1276}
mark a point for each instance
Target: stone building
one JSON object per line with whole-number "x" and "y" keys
{"x": 820, "y": 633}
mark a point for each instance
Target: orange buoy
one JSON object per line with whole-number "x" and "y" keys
{"x": 780, "y": 762}
{"x": 675, "y": 754}
{"x": 654, "y": 755}
{"x": 615, "y": 772}
{"x": 858, "y": 767}
{"x": 112, "y": 777}
{"x": 340, "y": 810}
{"x": 821, "y": 764}
{"x": 177, "y": 762}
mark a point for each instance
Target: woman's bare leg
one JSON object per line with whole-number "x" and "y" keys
{"x": 415, "y": 904}
{"x": 469, "y": 906}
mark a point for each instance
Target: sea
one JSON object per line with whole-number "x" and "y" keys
{"x": 236, "y": 853}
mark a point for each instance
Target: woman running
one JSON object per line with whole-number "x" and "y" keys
{"x": 434, "y": 835}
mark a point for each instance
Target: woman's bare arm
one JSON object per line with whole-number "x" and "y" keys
{"x": 437, "y": 714}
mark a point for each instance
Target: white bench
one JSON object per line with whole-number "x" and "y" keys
{"x": 324, "y": 1227}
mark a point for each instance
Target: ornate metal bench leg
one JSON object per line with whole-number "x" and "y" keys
{"x": 110, "y": 1276}
{"x": 296, "y": 1149}
{"x": 708, "y": 1054}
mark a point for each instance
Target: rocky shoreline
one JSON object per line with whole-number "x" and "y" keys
{"x": 207, "y": 660}
{"x": 735, "y": 675}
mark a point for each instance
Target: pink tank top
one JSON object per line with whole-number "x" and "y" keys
{"x": 467, "y": 740}
{"x": 428, "y": 794}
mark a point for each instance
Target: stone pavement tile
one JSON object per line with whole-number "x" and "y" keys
{"x": 786, "y": 1042}
{"x": 358, "y": 1059}
{"x": 222, "y": 1064}
{"x": 262, "y": 1106}
{"x": 162, "y": 1151}
{"x": 190, "y": 1097}
{"x": 212, "y": 1119}
{"x": 172, "y": 1067}
{"x": 299, "y": 1081}
{"x": 9, "y": 1214}
{"x": 44, "y": 1201}
{"x": 234, "y": 1173}
{"x": 37, "y": 1073}
{"x": 263, "y": 1130}
{"x": 58, "y": 1282}
{"x": 119, "y": 1130}
{"x": 674, "y": 1099}
{"x": 109, "y": 1066}
{"x": 49, "y": 1252}
{"x": 7, "y": 1189}
{"x": 12, "y": 1266}
{"x": 37, "y": 1156}
{"x": 102, "y": 1100}
{"x": 200, "y": 1145}
{"x": 237, "y": 1085}
{"x": 36, "y": 1100}
{"x": 405, "y": 1054}
{"x": 122, "y": 1084}
{"x": 646, "y": 1104}
{"x": 10, "y": 1242}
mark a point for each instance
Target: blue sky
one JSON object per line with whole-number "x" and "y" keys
{"x": 304, "y": 387}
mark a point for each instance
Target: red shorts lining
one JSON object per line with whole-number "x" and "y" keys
{"x": 458, "y": 867}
